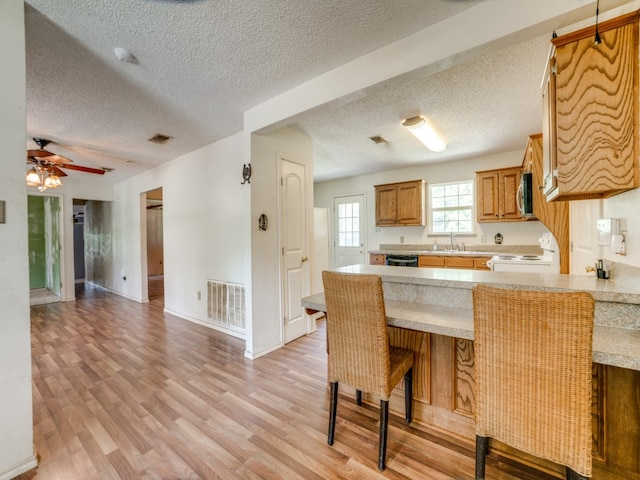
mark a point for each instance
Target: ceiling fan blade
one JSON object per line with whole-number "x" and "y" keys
{"x": 80, "y": 168}
{"x": 39, "y": 153}
{"x": 57, "y": 171}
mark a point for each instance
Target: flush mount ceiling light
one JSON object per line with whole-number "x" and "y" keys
{"x": 425, "y": 133}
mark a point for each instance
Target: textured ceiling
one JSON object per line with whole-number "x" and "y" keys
{"x": 201, "y": 63}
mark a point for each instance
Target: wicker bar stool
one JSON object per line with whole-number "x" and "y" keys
{"x": 359, "y": 350}
{"x": 533, "y": 374}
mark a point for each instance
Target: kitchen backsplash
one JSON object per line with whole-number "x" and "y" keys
{"x": 483, "y": 247}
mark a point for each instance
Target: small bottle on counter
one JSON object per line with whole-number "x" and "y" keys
{"x": 435, "y": 245}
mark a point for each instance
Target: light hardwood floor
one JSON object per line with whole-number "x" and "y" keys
{"x": 125, "y": 391}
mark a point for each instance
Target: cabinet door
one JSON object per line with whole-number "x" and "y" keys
{"x": 430, "y": 261}
{"x": 459, "y": 262}
{"x": 508, "y": 190}
{"x": 481, "y": 263}
{"x": 487, "y": 193}
{"x": 377, "y": 259}
{"x": 410, "y": 203}
{"x": 596, "y": 113}
{"x": 386, "y": 205}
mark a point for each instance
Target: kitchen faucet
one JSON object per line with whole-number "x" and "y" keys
{"x": 453, "y": 236}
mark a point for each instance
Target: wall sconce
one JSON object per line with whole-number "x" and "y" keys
{"x": 424, "y": 132}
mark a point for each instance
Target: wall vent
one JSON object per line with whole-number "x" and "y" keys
{"x": 225, "y": 304}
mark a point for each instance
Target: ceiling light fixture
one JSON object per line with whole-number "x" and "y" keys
{"x": 425, "y": 133}
{"x": 42, "y": 177}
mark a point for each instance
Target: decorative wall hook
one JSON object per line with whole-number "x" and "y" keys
{"x": 246, "y": 173}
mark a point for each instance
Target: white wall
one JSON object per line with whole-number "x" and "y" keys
{"x": 514, "y": 233}
{"x": 267, "y": 322}
{"x": 205, "y": 214}
{"x": 625, "y": 207}
{"x": 16, "y": 420}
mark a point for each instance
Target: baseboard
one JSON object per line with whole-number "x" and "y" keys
{"x": 29, "y": 464}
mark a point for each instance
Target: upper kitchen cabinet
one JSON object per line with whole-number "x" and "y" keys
{"x": 496, "y": 192}
{"x": 590, "y": 123}
{"x": 400, "y": 204}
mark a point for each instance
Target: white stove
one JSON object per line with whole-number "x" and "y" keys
{"x": 548, "y": 262}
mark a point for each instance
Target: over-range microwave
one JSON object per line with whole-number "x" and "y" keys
{"x": 525, "y": 195}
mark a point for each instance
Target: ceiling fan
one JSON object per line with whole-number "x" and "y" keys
{"x": 52, "y": 162}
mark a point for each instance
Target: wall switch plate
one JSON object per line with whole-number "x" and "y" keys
{"x": 2, "y": 219}
{"x": 199, "y": 295}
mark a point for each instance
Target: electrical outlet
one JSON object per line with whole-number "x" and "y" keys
{"x": 402, "y": 239}
{"x": 484, "y": 239}
{"x": 199, "y": 295}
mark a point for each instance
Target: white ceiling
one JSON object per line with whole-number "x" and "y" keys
{"x": 202, "y": 63}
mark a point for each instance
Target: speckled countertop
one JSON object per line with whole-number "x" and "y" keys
{"x": 439, "y": 301}
{"x": 482, "y": 250}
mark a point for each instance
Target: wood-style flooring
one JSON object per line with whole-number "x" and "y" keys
{"x": 125, "y": 391}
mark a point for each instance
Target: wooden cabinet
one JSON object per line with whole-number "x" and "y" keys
{"x": 453, "y": 261}
{"x": 377, "y": 259}
{"x": 400, "y": 204}
{"x": 590, "y": 115}
{"x": 496, "y": 192}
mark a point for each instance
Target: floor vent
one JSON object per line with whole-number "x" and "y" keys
{"x": 225, "y": 304}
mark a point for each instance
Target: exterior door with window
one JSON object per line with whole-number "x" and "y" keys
{"x": 348, "y": 214}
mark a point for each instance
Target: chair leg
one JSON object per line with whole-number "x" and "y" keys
{"x": 571, "y": 475}
{"x": 332, "y": 412}
{"x": 384, "y": 422}
{"x": 482, "y": 448}
{"x": 408, "y": 395}
{"x": 359, "y": 397}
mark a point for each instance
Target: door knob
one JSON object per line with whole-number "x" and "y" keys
{"x": 304, "y": 258}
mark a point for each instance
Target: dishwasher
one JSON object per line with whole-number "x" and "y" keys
{"x": 402, "y": 260}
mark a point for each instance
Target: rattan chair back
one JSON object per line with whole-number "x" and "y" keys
{"x": 358, "y": 340}
{"x": 533, "y": 372}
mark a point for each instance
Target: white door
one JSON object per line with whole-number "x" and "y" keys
{"x": 349, "y": 215}
{"x": 295, "y": 278}
{"x": 583, "y": 234}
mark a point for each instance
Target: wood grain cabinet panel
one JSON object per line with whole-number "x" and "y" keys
{"x": 496, "y": 193}
{"x": 453, "y": 261}
{"x": 591, "y": 112}
{"x": 377, "y": 259}
{"x": 400, "y": 204}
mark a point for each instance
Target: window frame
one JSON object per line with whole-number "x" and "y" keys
{"x": 430, "y": 209}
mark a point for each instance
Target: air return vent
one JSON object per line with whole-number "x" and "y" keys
{"x": 377, "y": 139}
{"x": 160, "y": 138}
{"x": 225, "y": 304}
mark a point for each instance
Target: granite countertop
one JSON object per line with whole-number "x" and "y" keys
{"x": 482, "y": 250}
{"x": 616, "y": 337}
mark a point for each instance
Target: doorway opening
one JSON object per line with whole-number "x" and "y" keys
{"x": 155, "y": 245}
{"x": 45, "y": 247}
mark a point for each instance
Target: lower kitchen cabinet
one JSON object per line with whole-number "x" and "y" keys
{"x": 377, "y": 259}
{"x": 454, "y": 261}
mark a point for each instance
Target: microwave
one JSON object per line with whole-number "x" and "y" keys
{"x": 525, "y": 195}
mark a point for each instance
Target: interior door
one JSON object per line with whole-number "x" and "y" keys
{"x": 583, "y": 234}
{"x": 295, "y": 268}
{"x": 349, "y": 215}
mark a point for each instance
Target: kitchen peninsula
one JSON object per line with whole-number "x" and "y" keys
{"x": 430, "y": 311}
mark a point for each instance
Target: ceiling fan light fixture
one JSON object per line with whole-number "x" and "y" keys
{"x": 33, "y": 179}
{"x": 424, "y": 132}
